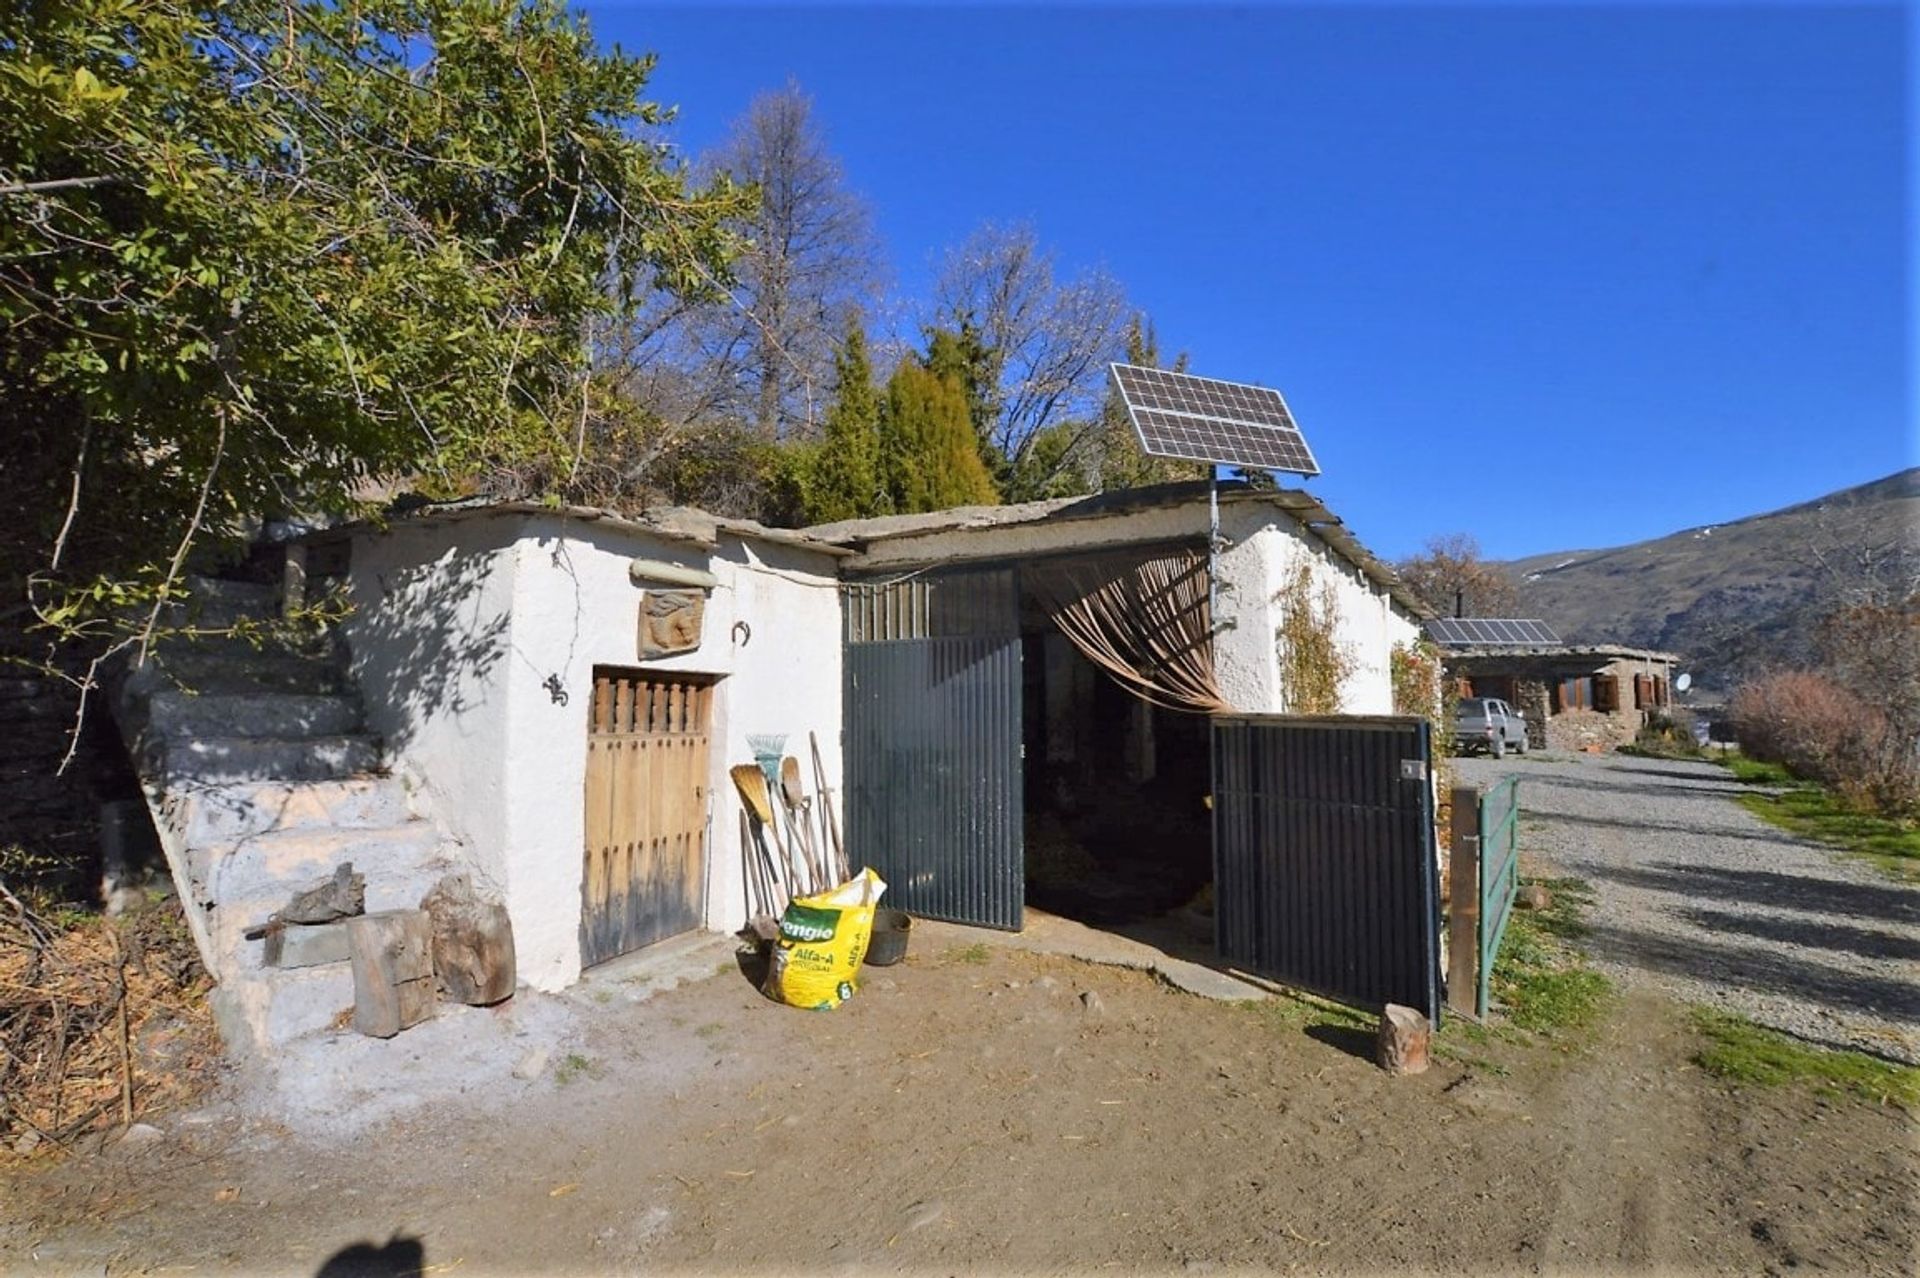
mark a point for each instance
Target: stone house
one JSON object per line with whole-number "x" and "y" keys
{"x": 1574, "y": 696}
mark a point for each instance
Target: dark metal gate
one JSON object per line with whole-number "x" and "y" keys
{"x": 932, "y": 743}
{"x": 1324, "y": 869}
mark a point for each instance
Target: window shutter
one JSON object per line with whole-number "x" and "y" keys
{"x": 1606, "y": 692}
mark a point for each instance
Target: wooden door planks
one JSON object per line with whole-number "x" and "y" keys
{"x": 646, "y": 788}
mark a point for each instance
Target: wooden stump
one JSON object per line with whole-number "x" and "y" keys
{"x": 472, "y": 943}
{"x": 392, "y": 970}
{"x": 1404, "y": 1038}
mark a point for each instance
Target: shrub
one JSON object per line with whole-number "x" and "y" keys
{"x": 1821, "y": 731}
{"x": 1669, "y": 732}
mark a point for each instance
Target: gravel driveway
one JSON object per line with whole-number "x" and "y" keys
{"x": 1698, "y": 896}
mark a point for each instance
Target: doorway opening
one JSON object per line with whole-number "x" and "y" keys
{"x": 1117, "y": 830}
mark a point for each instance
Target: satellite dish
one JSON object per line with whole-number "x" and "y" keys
{"x": 1684, "y": 682}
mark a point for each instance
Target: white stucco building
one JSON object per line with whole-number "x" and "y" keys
{"x": 499, "y": 654}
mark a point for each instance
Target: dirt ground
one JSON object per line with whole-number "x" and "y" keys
{"x": 969, "y": 1111}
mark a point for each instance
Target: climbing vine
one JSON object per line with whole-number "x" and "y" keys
{"x": 1313, "y": 662}
{"x": 1420, "y": 687}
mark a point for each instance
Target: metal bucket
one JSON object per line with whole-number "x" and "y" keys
{"x": 889, "y": 943}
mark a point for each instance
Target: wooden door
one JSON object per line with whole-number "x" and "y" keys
{"x": 647, "y": 775}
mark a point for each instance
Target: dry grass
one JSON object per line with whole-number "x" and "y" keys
{"x": 102, "y": 1021}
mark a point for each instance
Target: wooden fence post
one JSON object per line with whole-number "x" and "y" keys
{"x": 1463, "y": 919}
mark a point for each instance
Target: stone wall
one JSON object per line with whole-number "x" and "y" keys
{"x": 1591, "y": 730}
{"x": 50, "y": 815}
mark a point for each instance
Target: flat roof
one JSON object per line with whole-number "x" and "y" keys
{"x": 684, "y": 524}
{"x": 1303, "y": 507}
{"x": 1562, "y": 650}
{"x": 848, "y": 539}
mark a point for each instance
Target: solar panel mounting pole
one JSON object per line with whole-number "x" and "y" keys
{"x": 1213, "y": 548}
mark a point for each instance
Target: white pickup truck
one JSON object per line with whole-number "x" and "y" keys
{"x": 1490, "y": 724}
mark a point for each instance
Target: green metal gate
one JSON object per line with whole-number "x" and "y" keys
{"x": 1324, "y": 869}
{"x": 1498, "y": 821}
{"x": 932, "y": 743}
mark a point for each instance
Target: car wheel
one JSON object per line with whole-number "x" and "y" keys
{"x": 1498, "y": 748}
{"x": 1520, "y": 747}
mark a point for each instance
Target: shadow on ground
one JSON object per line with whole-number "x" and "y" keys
{"x": 401, "y": 1257}
{"x": 1815, "y": 933}
{"x": 1697, "y": 883}
{"x": 1749, "y": 967}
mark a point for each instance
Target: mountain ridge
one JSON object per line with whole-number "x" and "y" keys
{"x": 1733, "y": 598}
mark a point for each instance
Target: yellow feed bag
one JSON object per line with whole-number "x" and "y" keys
{"x": 823, "y": 939}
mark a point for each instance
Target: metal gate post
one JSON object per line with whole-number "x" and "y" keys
{"x": 1463, "y": 915}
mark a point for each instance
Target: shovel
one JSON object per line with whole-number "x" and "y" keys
{"x": 799, "y": 827}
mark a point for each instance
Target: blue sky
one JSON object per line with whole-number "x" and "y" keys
{"x": 1557, "y": 276}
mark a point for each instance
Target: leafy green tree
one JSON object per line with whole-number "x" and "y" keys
{"x": 255, "y": 254}
{"x": 843, "y": 479}
{"x": 930, "y": 456}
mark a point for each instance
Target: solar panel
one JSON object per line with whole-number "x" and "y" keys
{"x": 1204, "y": 419}
{"x": 1491, "y": 632}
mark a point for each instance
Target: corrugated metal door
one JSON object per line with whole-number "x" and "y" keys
{"x": 932, "y": 743}
{"x": 646, "y": 811}
{"x": 1324, "y": 869}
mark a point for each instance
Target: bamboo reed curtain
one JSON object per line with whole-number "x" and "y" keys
{"x": 1146, "y": 622}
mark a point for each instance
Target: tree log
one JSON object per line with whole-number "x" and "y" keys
{"x": 1404, "y": 1038}
{"x": 392, "y": 971}
{"x": 472, "y": 942}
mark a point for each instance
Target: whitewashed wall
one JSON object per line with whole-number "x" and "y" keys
{"x": 1369, "y": 623}
{"x": 430, "y": 638}
{"x": 575, "y": 607}
{"x": 537, "y": 602}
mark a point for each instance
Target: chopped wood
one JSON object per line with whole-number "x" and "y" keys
{"x": 392, "y": 971}
{"x": 473, "y": 954}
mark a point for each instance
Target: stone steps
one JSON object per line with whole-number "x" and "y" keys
{"x": 238, "y": 760}
{"x": 259, "y": 1009}
{"x": 173, "y": 713}
{"x": 245, "y": 668}
{"x": 264, "y": 782}
{"x": 221, "y": 816}
{"x": 271, "y": 866}
{"x": 214, "y": 602}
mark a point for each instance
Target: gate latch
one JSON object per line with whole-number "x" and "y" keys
{"x": 1413, "y": 769}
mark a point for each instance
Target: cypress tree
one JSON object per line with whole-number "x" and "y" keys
{"x": 930, "y": 454}
{"x": 844, "y": 481}
{"x": 961, "y": 355}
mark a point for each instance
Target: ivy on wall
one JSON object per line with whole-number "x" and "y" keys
{"x": 1313, "y": 662}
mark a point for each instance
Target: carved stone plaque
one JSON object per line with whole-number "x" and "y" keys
{"x": 670, "y": 621}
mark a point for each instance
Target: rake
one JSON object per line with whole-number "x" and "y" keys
{"x": 767, "y": 748}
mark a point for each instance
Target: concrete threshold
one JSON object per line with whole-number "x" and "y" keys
{"x": 1050, "y": 934}
{"x": 664, "y": 965}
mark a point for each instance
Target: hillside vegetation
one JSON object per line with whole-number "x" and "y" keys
{"x": 1734, "y": 599}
